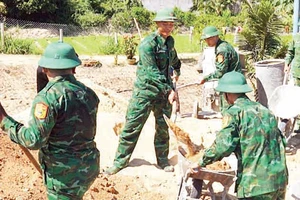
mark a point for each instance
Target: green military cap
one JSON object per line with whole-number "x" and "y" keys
{"x": 165, "y": 15}
{"x": 233, "y": 82}
{"x": 59, "y": 55}
{"x": 209, "y": 31}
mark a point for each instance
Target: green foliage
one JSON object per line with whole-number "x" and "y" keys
{"x": 143, "y": 16}
{"x": 110, "y": 47}
{"x": 261, "y": 30}
{"x": 129, "y": 45}
{"x": 226, "y": 20}
{"x": 34, "y": 6}
{"x": 91, "y": 19}
{"x": 285, "y": 41}
{"x": 185, "y": 18}
{"x": 16, "y": 46}
{"x": 216, "y": 7}
{"x": 122, "y": 21}
{"x": 209, "y": 19}
{"x": 3, "y": 10}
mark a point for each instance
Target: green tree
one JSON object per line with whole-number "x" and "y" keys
{"x": 3, "y": 10}
{"x": 216, "y": 6}
{"x": 261, "y": 31}
{"x": 143, "y": 16}
{"x": 185, "y": 18}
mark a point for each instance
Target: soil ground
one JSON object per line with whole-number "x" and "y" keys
{"x": 142, "y": 179}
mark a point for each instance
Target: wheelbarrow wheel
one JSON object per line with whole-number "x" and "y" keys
{"x": 195, "y": 109}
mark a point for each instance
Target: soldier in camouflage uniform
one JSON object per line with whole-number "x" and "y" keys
{"x": 153, "y": 91}
{"x": 62, "y": 126}
{"x": 227, "y": 59}
{"x": 292, "y": 62}
{"x": 250, "y": 131}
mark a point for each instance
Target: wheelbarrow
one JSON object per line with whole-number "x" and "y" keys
{"x": 185, "y": 159}
{"x": 188, "y": 191}
{"x": 284, "y": 103}
{"x": 209, "y": 106}
{"x": 225, "y": 178}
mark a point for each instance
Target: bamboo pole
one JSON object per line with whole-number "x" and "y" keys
{"x": 137, "y": 26}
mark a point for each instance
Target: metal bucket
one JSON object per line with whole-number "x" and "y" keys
{"x": 269, "y": 75}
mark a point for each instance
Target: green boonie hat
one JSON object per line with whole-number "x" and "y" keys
{"x": 209, "y": 31}
{"x": 165, "y": 15}
{"x": 59, "y": 55}
{"x": 233, "y": 82}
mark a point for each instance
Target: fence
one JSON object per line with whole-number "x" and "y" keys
{"x": 30, "y": 29}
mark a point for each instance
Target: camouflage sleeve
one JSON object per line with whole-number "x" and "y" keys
{"x": 225, "y": 143}
{"x": 175, "y": 62}
{"x": 290, "y": 53}
{"x": 152, "y": 73}
{"x": 36, "y": 134}
{"x": 222, "y": 63}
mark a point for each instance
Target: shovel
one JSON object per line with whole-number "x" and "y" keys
{"x": 176, "y": 103}
{"x": 183, "y": 164}
{"x": 32, "y": 159}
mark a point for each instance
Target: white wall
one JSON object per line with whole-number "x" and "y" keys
{"x": 155, "y": 5}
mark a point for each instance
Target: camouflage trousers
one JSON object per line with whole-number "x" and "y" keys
{"x": 67, "y": 194}
{"x": 70, "y": 180}
{"x": 56, "y": 190}
{"x": 277, "y": 195}
{"x": 138, "y": 111}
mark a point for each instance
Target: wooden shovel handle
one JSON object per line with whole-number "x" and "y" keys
{"x": 31, "y": 158}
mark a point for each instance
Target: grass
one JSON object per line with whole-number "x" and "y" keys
{"x": 91, "y": 45}
{"x": 95, "y": 45}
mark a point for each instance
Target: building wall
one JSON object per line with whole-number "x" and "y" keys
{"x": 155, "y": 5}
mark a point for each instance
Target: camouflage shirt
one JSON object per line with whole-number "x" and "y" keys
{"x": 250, "y": 131}
{"x": 293, "y": 55}
{"x": 62, "y": 125}
{"x": 156, "y": 58}
{"x": 227, "y": 60}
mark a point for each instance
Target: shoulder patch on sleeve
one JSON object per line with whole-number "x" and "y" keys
{"x": 41, "y": 111}
{"x": 225, "y": 121}
{"x": 220, "y": 58}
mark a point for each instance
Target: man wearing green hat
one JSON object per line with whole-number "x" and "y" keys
{"x": 153, "y": 91}
{"x": 62, "y": 126}
{"x": 227, "y": 59}
{"x": 292, "y": 63}
{"x": 250, "y": 132}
